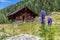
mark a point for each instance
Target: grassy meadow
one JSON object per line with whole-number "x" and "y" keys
{"x": 31, "y": 27}
{"x": 23, "y": 28}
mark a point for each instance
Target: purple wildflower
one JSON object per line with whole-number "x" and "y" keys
{"x": 49, "y": 21}
{"x": 43, "y": 14}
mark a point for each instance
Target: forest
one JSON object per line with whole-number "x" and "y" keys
{"x": 35, "y": 5}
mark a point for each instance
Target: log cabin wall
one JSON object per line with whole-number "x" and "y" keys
{"x": 24, "y": 17}
{"x": 24, "y": 14}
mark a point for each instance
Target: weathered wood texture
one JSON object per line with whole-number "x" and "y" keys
{"x": 24, "y": 14}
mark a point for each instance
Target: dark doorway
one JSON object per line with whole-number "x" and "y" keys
{"x": 23, "y": 18}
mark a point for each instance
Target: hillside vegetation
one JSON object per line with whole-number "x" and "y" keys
{"x": 34, "y": 5}
{"x": 31, "y": 27}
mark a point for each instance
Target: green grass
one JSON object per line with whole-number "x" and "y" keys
{"x": 31, "y": 27}
{"x": 26, "y": 28}
{"x": 23, "y": 28}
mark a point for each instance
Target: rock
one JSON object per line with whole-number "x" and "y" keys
{"x": 37, "y": 19}
{"x": 57, "y": 23}
{"x": 2, "y": 34}
{"x": 24, "y": 37}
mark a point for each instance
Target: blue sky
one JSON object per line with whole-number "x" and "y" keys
{"x": 5, "y": 3}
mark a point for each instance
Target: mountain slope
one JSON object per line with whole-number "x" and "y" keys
{"x": 34, "y": 5}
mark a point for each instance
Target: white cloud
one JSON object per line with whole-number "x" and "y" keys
{"x": 4, "y": 1}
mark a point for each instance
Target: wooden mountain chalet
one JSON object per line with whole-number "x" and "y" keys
{"x": 25, "y": 14}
